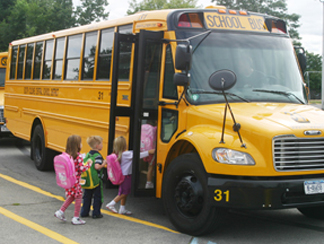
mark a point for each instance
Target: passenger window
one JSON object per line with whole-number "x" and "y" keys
{"x": 21, "y": 59}
{"x": 48, "y": 59}
{"x": 125, "y": 29}
{"x": 169, "y": 124}
{"x": 169, "y": 89}
{"x": 152, "y": 75}
{"x": 14, "y": 53}
{"x": 125, "y": 54}
{"x": 89, "y": 55}
{"x": 73, "y": 57}
{"x": 29, "y": 60}
{"x": 38, "y": 60}
{"x": 58, "y": 60}
{"x": 105, "y": 53}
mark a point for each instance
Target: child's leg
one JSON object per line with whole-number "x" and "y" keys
{"x": 97, "y": 202}
{"x": 122, "y": 209}
{"x": 77, "y": 205}
{"x": 67, "y": 203}
{"x": 87, "y": 197}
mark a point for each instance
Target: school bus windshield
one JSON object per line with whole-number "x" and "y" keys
{"x": 265, "y": 67}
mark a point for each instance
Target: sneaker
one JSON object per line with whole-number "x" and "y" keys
{"x": 125, "y": 212}
{"x": 149, "y": 185}
{"x": 111, "y": 208}
{"x": 60, "y": 215}
{"x": 77, "y": 221}
{"x": 97, "y": 216}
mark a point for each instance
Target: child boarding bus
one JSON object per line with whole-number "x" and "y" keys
{"x": 3, "y": 65}
{"x": 224, "y": 89}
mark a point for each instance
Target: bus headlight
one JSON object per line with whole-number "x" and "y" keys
{"x": 228, "y": 156}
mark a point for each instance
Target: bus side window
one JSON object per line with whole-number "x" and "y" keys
{"x": 169, "y": 124}
{"x": 29, "y": 61}
{"x": 152, "y": 75}
{"x": 73, "y": 57}
{"x": 89, "y": 55}
{"x": 38, "y": 60}
{"x": 21, "y": 58}
{"x": 169, "y": 89}
{"x": 58, "y": 59}
{"x": 105, "y": 52}
{"x": 47, "y": 66}
{"x": 14, "y": 53}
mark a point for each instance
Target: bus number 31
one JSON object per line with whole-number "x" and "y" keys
{"x": 219, "y": 195}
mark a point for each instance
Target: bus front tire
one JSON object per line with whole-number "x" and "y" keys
{"x": 313, "y": 212}
{"x": 41, "y": 154}
{"x": 185, "y": 197}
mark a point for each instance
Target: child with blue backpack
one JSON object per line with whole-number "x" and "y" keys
{"x": 126, "y": 160}
{"x": 95, "y": 142}
{"x": 73, "y": 148}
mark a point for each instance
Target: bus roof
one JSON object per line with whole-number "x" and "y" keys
{"x": 161, "y": 20}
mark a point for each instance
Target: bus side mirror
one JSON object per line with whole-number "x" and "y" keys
{"x": 181, "y": 79}
{"x": 302, "y": 61}
{"x": 301, "y": 58}
{"x": 183, "y": 57}
{"x": 183, "y": 60}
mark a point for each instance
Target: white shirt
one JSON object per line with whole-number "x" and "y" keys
{"x": 127, "y": 161}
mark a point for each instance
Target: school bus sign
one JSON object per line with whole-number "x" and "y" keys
{"x": 235, "y": 22}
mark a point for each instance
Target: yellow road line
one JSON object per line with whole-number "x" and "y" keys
{"x": 36, "y": 227}
{"x": 37, "y": 189}
{"x": 31, "y": 187}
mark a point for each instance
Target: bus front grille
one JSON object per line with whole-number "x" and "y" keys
{"x": 298, "y": 154}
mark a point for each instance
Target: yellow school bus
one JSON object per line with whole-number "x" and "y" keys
{"x": 224, "y": 89}
{"x": 3, "y": 65}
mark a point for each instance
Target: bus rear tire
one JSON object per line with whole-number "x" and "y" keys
{"x": 185, "y": 197}
{"x": 41, "y": 155}
{"x": 313, "y": 212}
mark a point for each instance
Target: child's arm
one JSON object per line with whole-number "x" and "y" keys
{"x": 100, "y": 166}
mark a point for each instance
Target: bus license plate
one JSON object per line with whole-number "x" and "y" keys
{"x": 314, "y": 187}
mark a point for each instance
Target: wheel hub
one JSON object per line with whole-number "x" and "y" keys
{"x": 189, "y": 196}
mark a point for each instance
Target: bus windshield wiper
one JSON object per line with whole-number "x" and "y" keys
{"x": 280, "y": 93}
{"x": 202, "y": 91}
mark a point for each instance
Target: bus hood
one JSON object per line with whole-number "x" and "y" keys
{"x": 276, "y": 119}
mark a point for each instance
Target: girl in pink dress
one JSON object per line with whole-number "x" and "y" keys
{"x": 73, "y": 148}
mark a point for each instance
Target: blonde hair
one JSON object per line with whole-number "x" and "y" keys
{"x": 119, "y": 146}
{"x": 73, "y": 145}
{"x": 93, "y": 141}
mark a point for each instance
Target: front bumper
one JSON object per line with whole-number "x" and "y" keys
{"x": 262, "y": 194}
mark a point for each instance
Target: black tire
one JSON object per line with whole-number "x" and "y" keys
{"x": 185, "y": 196}
{"x": 42, "y": 156}
{"x": 313, "y": 212}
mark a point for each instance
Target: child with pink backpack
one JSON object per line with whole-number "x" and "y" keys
{"x": 74, "y": 193}
{"x": 126, "y": 159}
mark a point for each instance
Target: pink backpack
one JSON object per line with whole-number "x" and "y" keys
{"x": 148, "y": 140}
{"x": 114, "y": 172}
{"x": 65, "y": 170}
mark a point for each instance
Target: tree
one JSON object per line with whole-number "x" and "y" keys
{"x": 135, "y": 7}
{"x": 277, "y": 8}
{"x": 313, "y": 75}
{"x": 34, "y": 17}
{"x": 90, "y": 11}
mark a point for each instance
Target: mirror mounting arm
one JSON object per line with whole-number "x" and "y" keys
{"x": 236, "y": 126}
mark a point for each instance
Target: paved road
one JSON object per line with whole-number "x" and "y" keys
{"x": 29, "y": 198}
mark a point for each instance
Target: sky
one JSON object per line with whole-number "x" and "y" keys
{"x": 311, "y": 20}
